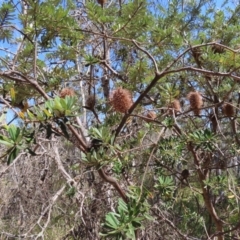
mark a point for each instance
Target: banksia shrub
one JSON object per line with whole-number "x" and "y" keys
{"x": 228, "y": 110}
{"x": 66, "y": 92}
{"x": 121, "y": 100}
{"x": 175, "y": 106}
{"x": 91, "y": 101}
{"x": 151, "y": 115}
{"x": 196, "y": 102}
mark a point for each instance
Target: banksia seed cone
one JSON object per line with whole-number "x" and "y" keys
{"x": 150, "y": 114}
{"x": 228, "y": 110}
{"x": 196, "y": 102}
{"x": 175, "y": 105}
{"x": 121, "y": 100}
{"x": 91, "y": 101}
{"x": 101, "y": 2}
{"x": 67, "y": 92}
{"x": 185, "y": 174}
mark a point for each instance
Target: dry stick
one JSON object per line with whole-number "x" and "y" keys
{"x": 9, "y": 166}
{"x": 6, "y": 50}
{"x": 49, "y": 210}
{"x": 234, "y": 129}
{"x": 9, "y": 105}
{"x": 6, "y": 75}
{"x": 67, "y": 177}
{"x": 171, "y": 224}
{"x": 82, "y": 90}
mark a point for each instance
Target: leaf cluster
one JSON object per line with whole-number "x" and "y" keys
{"x": 123, "y": 223}
{"x": 6, "y": 18}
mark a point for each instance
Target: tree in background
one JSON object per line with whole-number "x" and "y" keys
{"x": 126, "y": 119}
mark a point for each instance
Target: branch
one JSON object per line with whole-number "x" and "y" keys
{"x": 25, "y": 35}
{"x": 114, "y": 183}
{"x": 83, "y": 146}
{"x": 130, "y": 18}
{"x": 158, "y": 76}
{"x": 47, "y": 209}
{"x": 206, "y": 192}
{"x": 24, "y": 79}
{"x": 14, "y": 161}
{"x": 148, "y": 54}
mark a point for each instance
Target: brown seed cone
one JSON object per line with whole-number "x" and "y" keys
{"x": 66, "y": 92}
{"x": 121, "y": 100}
{"x": 185, "y": 174}
{"x": 91, "y": 101}
{"x": 228, "y": 110}
{"x": 175, "y": 106}
{"x": 101, "y": 2}
{"x": 196, "y": 102}
{"x": 151, "y": 115}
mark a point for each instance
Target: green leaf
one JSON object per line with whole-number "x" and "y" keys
{"x": 31, "y": 152}
{"x": 6, "y": 141}
{"x": 122, "y": 206}
{"x": 13, "y": 152}
{"x": 63, "y": 128}
{"x": 111, "y": 220}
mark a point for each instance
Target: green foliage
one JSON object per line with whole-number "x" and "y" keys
{"x": 15, "y": 140}
{"x": 160, "y": 51}
{"x": 102, "y": 150}
{"x": 165, "y": 186}
{"x": 123, "y": 223}
{"x": 6, "y": 18}
{"x": 71, "y": 192}
{"x": 169, "y": 92}
{"x": 60, "y": 107}
{"x": 203, "y": 139}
